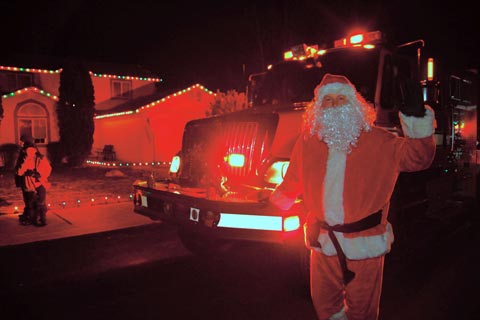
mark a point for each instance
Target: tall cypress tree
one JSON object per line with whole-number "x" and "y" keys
{"x": 75, "y": 111}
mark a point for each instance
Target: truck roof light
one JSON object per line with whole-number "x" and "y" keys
{"x": 300, "y": 52}
{"x": 236, "y": 160}
{"x": 287, "y": 55}
{"x": 430, "y": 71}
{"x": 360, "y": 39}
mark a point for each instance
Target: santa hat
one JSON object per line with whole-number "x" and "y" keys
{"x": 335, "y": 84}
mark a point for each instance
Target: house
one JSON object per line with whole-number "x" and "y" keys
{"x": 150, "y": 129}
{"x": 144, "y": 132}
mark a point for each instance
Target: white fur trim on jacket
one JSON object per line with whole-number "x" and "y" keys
{"x": 415, "y": 127}
{"x": 354, "y": 248}
{"x": 333, "y": 187}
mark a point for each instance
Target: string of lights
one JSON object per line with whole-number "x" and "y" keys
{"x": 127, "y": 164}
{"x": 30, "y": 89}
{"x": 78, "y": 202}
{"x": 100, "y": 75}
{"x": 154, "y": 103}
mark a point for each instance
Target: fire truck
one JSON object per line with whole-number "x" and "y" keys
{"x": 219, "y": 182}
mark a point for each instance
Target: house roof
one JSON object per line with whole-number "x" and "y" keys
{"x": 55, "y": 63}
{"x": 155, "y": 98}
{"x": 30, "y": 89}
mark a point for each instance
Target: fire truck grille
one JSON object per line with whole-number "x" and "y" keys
{"x": 207, "y": 147}
{"x": 241, "y": 138}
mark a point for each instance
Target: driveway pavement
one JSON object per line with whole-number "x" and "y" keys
{"x": 69, "y": 222}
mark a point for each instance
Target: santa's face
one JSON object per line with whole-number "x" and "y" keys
{"x": 333, "y": 100}
{"x": 339, "y": 122}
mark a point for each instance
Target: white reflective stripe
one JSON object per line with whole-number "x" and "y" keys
{"x": 247, "y": 221}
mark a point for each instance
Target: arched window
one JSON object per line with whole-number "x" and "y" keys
{"x": 32, "y": 119}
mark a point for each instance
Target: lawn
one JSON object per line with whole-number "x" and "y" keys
{"x": 72, "y": 187}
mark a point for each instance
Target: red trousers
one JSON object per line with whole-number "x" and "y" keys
{"x": 359, "y": 300}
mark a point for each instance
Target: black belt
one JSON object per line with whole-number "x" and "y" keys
{"x": 366, "y": 223}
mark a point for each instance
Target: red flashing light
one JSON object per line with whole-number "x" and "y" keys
{"x": 362, "y": 39}
{"x": 358, "y": 38}
{"x": 301, "y": 52}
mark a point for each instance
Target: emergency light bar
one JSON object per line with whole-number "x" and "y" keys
{"x": 367, "y": 40}
{"x": 300, "y": 52}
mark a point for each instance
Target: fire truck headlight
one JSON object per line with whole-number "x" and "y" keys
{"x": 175, "y": 165}
{"x": 276, "y": 172}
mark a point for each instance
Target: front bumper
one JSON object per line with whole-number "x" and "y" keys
{"x": 224, "y": 218}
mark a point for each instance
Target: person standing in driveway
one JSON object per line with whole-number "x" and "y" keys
{"x": 346, "y": 170}
{"x": 27, "y": 216}
{"x": 35, "y": 170}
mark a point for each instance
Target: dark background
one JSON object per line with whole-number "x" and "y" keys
{"x": 219, "y": 43}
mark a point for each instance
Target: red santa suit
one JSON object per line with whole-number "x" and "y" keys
{"x": 340, "y": 187}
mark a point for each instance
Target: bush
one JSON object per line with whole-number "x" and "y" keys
{"x": 227, "y": 102}
{"x": 8, "y": 155}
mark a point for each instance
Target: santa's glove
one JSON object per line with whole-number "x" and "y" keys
{"x": 312, "y": 231}
{"x": 410, "y": 96}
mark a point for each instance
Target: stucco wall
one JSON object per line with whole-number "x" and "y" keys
{"x": 152, "y": 135}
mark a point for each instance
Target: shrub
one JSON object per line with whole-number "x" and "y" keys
{"x": 8, "y": 155}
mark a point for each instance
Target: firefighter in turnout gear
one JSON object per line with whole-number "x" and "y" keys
{"x": 346, "y": 169}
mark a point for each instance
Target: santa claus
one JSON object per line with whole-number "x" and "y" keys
{"x": 345, "y": 168}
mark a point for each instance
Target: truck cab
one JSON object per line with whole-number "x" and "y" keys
{"x": 229, "y": 164}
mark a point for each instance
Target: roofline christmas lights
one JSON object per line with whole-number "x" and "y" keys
{"x": 100, "y": 75}
{"x": 25, "y": 90}
{"x": 152, "y": 104}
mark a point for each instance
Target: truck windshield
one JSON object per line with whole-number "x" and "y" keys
{"x": 293, "y": 82}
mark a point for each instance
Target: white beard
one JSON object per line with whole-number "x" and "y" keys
{"x": 339, "y": 127}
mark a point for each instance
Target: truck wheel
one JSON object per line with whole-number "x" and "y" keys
{"x": 199, "y": 244}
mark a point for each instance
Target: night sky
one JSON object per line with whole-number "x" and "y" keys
{"x": 219, "y": 43}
